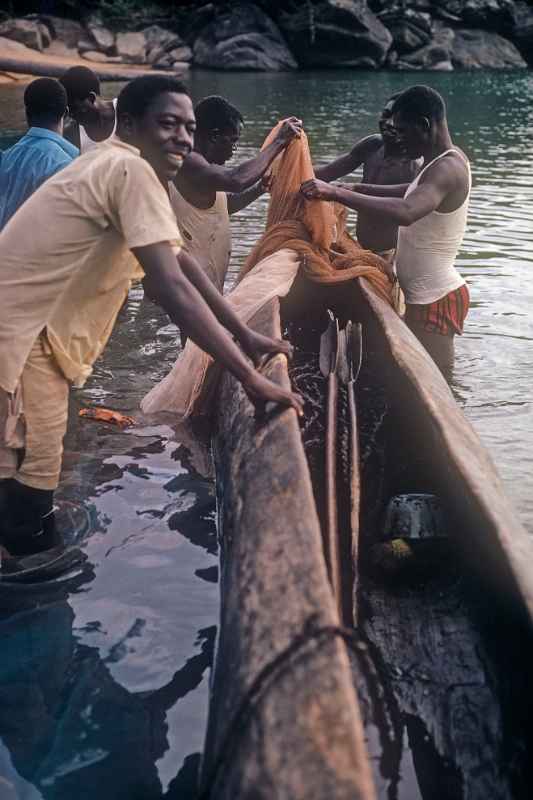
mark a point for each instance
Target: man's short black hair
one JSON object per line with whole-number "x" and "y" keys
{"x": 79, "y": 82}
{"x": 391, "y": 99}
{"x": 420, "y": 101}
{"x": 140, "y": 93}
{"x": 215, "y": 113}
{"x": 45, "y": 101}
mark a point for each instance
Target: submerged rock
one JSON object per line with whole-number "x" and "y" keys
{"x": 336, "y": 33}
{"x": 243, "y": 38}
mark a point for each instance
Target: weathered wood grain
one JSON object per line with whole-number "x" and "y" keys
{"x": 304, "y": 737}
{"x": 485, "y": 527}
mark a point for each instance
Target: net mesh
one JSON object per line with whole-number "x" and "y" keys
{"x": 314, "y": 229}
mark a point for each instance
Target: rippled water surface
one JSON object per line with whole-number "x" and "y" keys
{"x": 104, "y": 690}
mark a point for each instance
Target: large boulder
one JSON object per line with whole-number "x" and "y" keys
{"x": 522, "y": 33}
{"x": 160, "y": 41}
{"x": 436, "y": 56}
{"x": 178, "y": 55}
{"x": 131, "y": 47}
{"x": 59, "y": 48}
{"x": 67, "y": 31}
{"x": 240, "y": 39}
{"x": 336, "y": 33}
{"x": 410, "y": 30}
{"x": 474, "y": 49}
{"x": 493, "y": 15}
{"x": 29, "y": 32}
{"x": 102, "y": 37}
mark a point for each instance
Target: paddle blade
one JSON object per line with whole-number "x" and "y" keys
{"x": 329, "y": 346}
{"x": 354, "y": 348}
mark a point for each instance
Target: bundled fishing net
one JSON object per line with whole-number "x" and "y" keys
{"x": 188, "y": 388}
{"x": 314, "y": 229}
{"x": 300, "y": 233}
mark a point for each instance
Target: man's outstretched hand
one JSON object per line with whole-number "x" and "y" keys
{"x": 256, "y": 346}
{"x": 317, "y": 190}
{"x": 261, "y": 391}
{"x": 291, "y": 129}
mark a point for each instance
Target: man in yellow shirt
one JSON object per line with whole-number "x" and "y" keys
{"x": 67, "y": 264}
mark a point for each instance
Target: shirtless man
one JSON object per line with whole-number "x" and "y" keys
{"x": 62, "y": 287}
{"x": 431, "y": 214}
{"x": 206, "y": 191}
{"x": 93, "y": 119}
{"x": 383, "y": 163}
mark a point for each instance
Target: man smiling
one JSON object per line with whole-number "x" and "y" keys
{"x": 62, "y": 287}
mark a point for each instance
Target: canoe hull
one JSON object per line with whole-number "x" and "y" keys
{"x": 301, "y": 733}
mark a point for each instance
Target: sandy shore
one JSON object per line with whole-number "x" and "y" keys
{"x": 19, "y": 63}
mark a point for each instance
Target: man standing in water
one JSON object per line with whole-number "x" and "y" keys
{"x": 62, "y": 287}
{"x": 41, "y": 152}
{"x": 94, "y": 119}
{"x": 431, "y": 214}
{"x": 384, "y": 163}
{"x": 205, "y": 191}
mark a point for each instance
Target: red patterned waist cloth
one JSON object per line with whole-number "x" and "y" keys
{"x": 445, "y": 316}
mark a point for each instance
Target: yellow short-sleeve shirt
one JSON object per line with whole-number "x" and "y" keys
{"x": 65, "y": 257}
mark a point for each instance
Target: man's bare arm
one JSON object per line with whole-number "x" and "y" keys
{"x": 350, "y": 161}
{"x": 236, "y": 202}
{"x": 378, "y": 190}
{"x": 254, "y": 345}
{"x": 427, "y": 197}
{"x": 166, "y": 284}
{"x": 215, "y": 178}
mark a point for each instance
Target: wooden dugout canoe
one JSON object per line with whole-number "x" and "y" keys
{"x": 452, "y": 653}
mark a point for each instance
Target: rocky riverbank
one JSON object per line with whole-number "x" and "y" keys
{"x": 286, "y": 35}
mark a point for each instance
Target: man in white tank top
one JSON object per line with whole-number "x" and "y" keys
{"x": 206, "y": 191}
{"x": 431, "y": 215}
{"x": 94, "y": 119}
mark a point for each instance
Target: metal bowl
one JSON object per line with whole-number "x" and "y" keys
{"x": 414, "y": 516}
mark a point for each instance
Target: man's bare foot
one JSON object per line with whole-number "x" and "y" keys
{"x": 256, "y": 346}
{"x": 261, "y": 391}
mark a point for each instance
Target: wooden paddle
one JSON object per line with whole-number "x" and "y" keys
{"x": 354, "y": 357}
{"x": 341, "y": 354}
{"x": 329, "y": 365}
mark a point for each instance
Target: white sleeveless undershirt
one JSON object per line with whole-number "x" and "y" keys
{"x": 206, "y": 233}
{"x": 427, "y": 249}
{"x": 86, "y": 143}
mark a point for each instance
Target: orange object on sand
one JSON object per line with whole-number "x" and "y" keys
{"x": 315, "y": 229}
{"x": 107, "y": 415}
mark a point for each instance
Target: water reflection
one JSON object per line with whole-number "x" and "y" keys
{"x": 69, "y": 726}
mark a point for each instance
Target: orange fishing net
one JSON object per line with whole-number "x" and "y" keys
{"x": 314, "y": 229}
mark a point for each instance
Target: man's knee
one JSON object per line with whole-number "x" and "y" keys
{"x": 45, "y": 400}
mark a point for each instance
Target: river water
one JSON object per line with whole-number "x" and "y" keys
{"x": 103, "y": 689}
